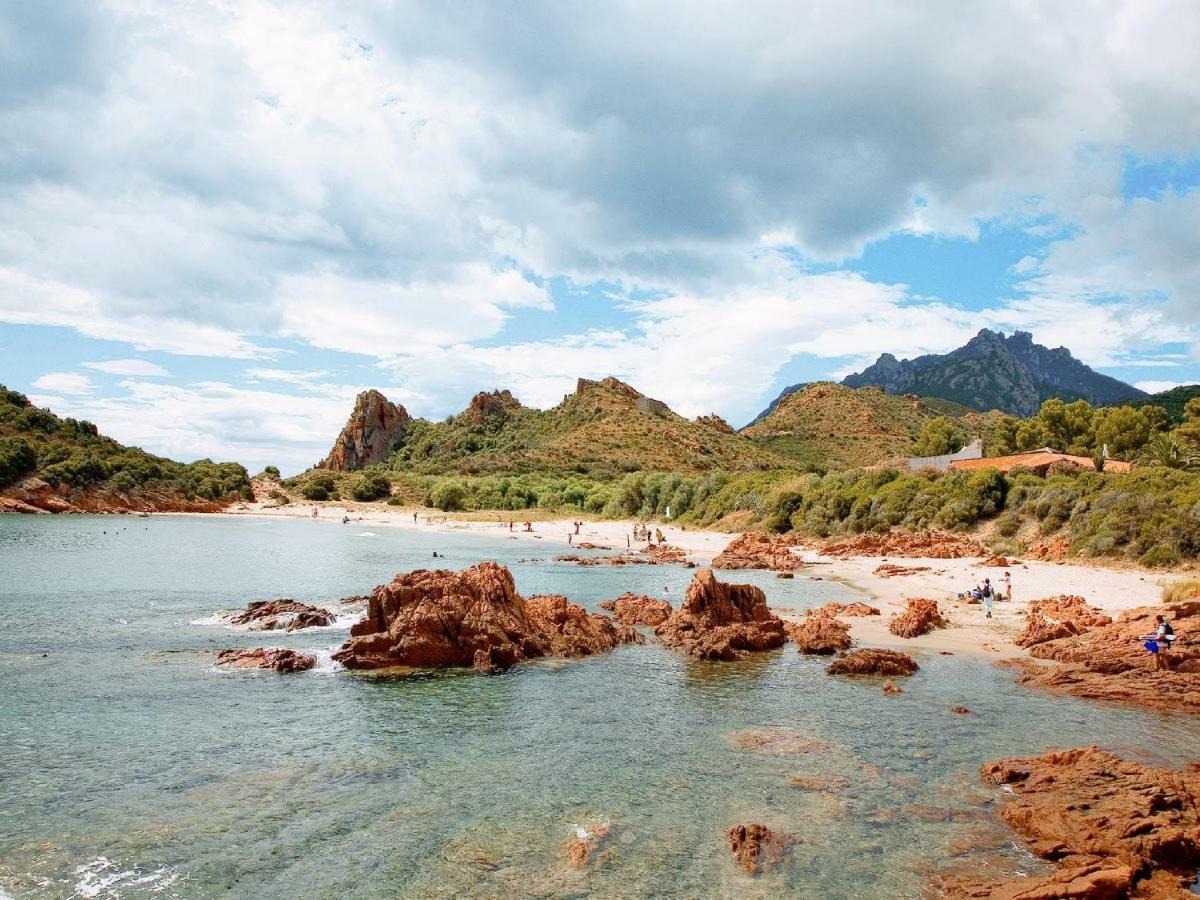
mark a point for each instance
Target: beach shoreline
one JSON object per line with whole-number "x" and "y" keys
{"x": 968, "y": 631}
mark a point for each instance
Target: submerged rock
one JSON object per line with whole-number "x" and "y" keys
{"x": 721, "y": 621}
{"x": 470, "y": 618}
{"x": 279, "y": 659}
{"x": 822, "y": 635}
{"x": 1109, "y": 662}
{"x": 873, "y": 661}
{"x": 281, "y": 615}
{"x": 638, "y": 609}
{"x": 775, "y": 742}
{"x": 1115, "y": 828}
{"x": 919, "y": 617}
{"x": 754, "y": 550}
{"x": 756, "y": 848}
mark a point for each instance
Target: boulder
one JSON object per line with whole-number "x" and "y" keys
{"x": 920, "y": 616}
{"x": 891, "y": 570}
{"x": 279, "y": 659}
{"x": 890, "y": 687}
{"x": 822, "y": 635}
{"x": 470, "y": 618}
{"x": 754, "y": 550}
{"x": 756, "y": 848}
{"x": 872, "y": 661}
{"x": 638, "y": 609}
{"x": 850, "y": 610}
{"x": 1108, "y": 662}
{"x": 1059, "y": 617}
{"x": 372, "y": 432}
{"x": 721, "y": 621}
{"x": 1114, "y": 827}
{"x": 281, "y": 615}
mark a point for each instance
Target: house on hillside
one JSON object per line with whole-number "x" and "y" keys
{"x": 1040, "y": 461}
{"x": 973, "y": 450}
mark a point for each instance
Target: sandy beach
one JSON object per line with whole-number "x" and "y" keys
{"x": 969, "y": 631}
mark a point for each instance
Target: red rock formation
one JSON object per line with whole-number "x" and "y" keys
{"x": 996, "y": 561}
{"x": 890, "y": 687}
{"x": 829, "y": 783}
{"x": 1115, "y": 828}
{"x": 572, "y": 631}
{"x": 929, "y": 544}
{"x": 823, "y": 635}
{"x": 1108, "y": 662}
{"x": 716, "y": 423}
{"x": 34, "y": 496}
{"x": 470, "y": 618}
{"x": 1059, "y": 617}
{"x": 277, "y": 658}
{"x": 721, "y": 621}
{"x": 891, "y": 570}
{"x": 960, "y": 710}
{"x": 638, "y": 609}
{"x": 281, "y": 615}
{"x": 754, "y": 550}
{"x": 872, "y": 661}
{"x": 756, "y": 848}
{"x": 485, "y": 407}
{"x": 371, "y": 433}
{"x": 664, "y": 554}
{"x": 849, "y": 610}
{"x": 775, "y": 742}
{"x": 919, "y": 617}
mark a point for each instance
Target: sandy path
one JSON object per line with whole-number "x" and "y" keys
{"x": 969, "y": 632}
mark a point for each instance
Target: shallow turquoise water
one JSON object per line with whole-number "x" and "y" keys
{"x": 131, "y": 767}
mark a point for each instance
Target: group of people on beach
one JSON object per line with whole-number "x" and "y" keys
{"x": 986, "y": 593}
{"x": 642, "y": 532}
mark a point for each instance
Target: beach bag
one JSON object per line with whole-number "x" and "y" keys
{"x": 1152, "y": 646}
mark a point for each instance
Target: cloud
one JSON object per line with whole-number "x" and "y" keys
{"x": 65, "y": 383}
{"x": 1157, "y": 387}
{"x": 129, "y": 367}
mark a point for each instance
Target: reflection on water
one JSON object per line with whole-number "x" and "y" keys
{"x": 131, "y": 767}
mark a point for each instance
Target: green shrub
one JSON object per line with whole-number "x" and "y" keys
{"x": 17, "y": 459}
{"x": 370, "y": 486}
{"x": 448, "y": 495}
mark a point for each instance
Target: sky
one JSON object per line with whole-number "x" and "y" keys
{"x": 219, "y": 221}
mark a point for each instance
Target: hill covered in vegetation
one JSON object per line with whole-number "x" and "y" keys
{"x": 62, "y": 465}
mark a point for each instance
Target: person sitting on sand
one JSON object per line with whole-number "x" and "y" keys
{"x": 1159, "y": 643}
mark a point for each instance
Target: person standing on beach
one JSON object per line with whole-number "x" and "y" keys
{"x": 1008, "y": 586}
{"x": 987, "y": 596}
{"x": 570, "y": 537}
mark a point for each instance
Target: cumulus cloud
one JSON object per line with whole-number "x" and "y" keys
{"x": 65, "y": 383}
{"x": 130, "y": 367}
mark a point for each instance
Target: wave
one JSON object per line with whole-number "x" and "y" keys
{"x": 366, "y": 534}
{"x": 103, "y": 877}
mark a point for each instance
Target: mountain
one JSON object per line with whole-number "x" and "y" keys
{"x": 48, "y": 464}
{"x": 604, "y": 428}
{"x": 369, "y": 436}
{"x": 1173, "y": 401}
{"x": 827, "y": 425}
{"x": 992, "y": 371}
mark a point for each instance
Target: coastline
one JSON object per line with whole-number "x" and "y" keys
{"x": 968, "y": 631}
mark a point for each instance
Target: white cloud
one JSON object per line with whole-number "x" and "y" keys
{"x": 1157, "y": 387}
{"x": 129, "y": 367}
{"x": 298, "y": 377}
{"x": 65, "y": 383}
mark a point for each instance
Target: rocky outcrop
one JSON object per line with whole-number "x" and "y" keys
{"x": 716, "y": 423}
{"x": 278, "y": 659}
{"x": 850, "y": 610}
{"x": 491, "y": 407}
{"x": 281, "y": 615}
{"x": 572, "y": 632}
{"x": 891, "y": 570}
{"x": 756, "y": 848}
{"x": 754, "y": 550}
{"x": 1108, "y": 662}
{"x": 665, "y": 554}
{"x": 1113, "y": 827}
{"x": 638, "y": 609}
{"x": 925, "y": 545}
{"x": 721, "y": 621}
{"x": 873, "y": 661}
{"x": 920, "y": 617}
{"x": 821, "y": 635}
{"x": 470, "y": 618}
{"x": 1059, "y": 617}
{"x": 34, "y": 496}
{"x": 371, "y": 433}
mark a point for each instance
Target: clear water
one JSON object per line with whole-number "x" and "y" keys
{"x": 130, "y": 767}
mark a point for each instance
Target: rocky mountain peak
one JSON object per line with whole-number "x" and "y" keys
{"x": 374, "y": 428}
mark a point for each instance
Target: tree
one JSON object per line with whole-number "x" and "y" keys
{"x": 1032, "y": 435}
{"x": 1158, "y": 417}
{"x": 1068, "y": 425}
{"x": 1123, "y": 429}
{"x": 448, "y": 495}
{"x": 272, "y": 472}
{"x": 16, "y": 459}
{"x": 1170, "y": 451}
{"x": 938, "y": 436}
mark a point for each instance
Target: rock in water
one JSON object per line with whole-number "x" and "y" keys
{"x": 872, "y": 661}
{"x": 469, "y": 618}
{"x": 821, "y": 635}
{"x": 638, "y": 609}
{"x": 756, "y": 848}
{"x": 371, "y": 433}
{"x": 572, "y": 631}
{"x": 920, "y": 617}
{"x": 278, "y": 658}
{"x": 754, "y": 550}
{"x": 850, "y": 610}
{"x": 281, "y": 615}
{"x": 721, "y": 621}
{"x": 1115, "y": 828}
